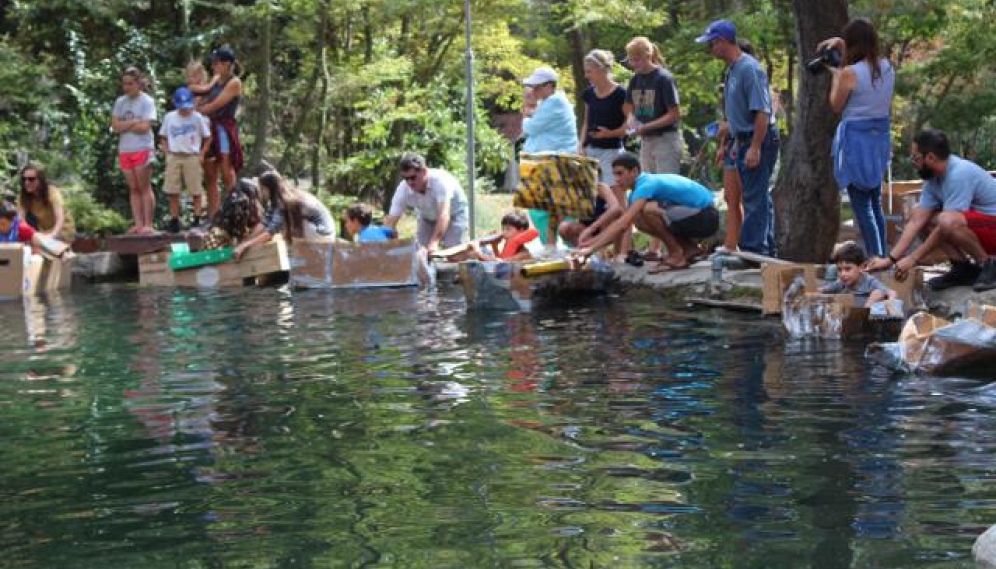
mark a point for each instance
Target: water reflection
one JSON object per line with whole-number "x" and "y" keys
{"x": 391, "y": 428}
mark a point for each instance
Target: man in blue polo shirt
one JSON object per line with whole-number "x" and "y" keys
{"x": 748, "y": 107}
{"x": 677, "y": 210}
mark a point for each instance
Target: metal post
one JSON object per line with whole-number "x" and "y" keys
{"x": 471, "y": 167}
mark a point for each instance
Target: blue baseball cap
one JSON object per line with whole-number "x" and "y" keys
{"x": 720, "y": 29}
{"x": 183, "y": 98}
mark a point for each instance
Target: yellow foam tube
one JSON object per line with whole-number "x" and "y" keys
{"x": 545, "y": 267}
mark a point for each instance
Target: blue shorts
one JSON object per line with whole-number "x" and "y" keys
{"x": 729, "y": 154}
{"x": 224, "y": 145}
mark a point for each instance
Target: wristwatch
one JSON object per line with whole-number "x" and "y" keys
{"x": 893, "y": 259}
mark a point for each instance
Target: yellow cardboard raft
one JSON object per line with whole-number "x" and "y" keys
{"x": 934, "y": 345}
{"x": 562, "y": 184}
{"x": 328, "y": 264}
{"x": 25, "y": 274}
{"x": 257, "y": 262}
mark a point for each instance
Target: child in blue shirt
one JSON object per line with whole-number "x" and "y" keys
{"x": 359, "y": 219}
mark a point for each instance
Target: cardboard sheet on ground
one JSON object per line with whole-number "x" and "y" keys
{"x": 327, "y": 264}
{"x": 562, "y": 184}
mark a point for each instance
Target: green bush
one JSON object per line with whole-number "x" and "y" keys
{"x": 92, "y": 218}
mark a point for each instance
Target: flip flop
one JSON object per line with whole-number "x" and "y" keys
{"x": 652, "y": 256}
{"x": 664, "y": 267}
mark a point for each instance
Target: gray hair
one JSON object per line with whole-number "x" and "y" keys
{"x": 412, "y": 161}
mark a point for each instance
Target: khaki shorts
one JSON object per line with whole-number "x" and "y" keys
{"x": 661, "y": 154}
{"x": 183, "y": 170}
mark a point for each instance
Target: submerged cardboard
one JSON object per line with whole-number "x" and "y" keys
{"x": 328, "y": 264}
{"x": 778, "y": 277}
{"x": 258, "y": 261}
{"x": 24, "y": 274}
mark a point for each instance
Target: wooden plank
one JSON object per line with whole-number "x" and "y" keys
{"x": 727, "y": 304}
{"x": 757, "y": 258}
{"x": 141, "y": 244}
{"x": 270, "y": 257}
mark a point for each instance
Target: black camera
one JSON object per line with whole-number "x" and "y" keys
{"x": 826, "y": 56}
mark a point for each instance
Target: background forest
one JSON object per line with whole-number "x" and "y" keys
{"x": 336, "y": 90}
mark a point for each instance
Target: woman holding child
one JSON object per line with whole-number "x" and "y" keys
{"x": 220, "y": 104}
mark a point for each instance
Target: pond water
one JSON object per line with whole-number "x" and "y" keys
{"x": 260, "y": 428}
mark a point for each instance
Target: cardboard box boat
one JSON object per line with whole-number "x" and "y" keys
{"x": 256, "y": 265}
{"x": 935, "y": 345}
{"x": 25, "y": 274}
{"x": 339, "y": 264}
{"x": 525, "y": 286}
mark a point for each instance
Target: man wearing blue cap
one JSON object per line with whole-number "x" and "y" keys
{"x": 186, "y": 137}
{"x": 747, "y": 102}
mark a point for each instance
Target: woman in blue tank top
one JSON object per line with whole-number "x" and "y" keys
{"x": 862, "y": 147}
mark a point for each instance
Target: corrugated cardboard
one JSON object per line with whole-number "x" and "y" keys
{"x": 24, "y": 274}
{"x": 324, "y": 264}
{"x": 777, "y": 277}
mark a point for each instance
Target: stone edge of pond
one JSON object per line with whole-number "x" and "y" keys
{"x": 984, "y": 549}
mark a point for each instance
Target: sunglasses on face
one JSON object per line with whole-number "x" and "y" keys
{"x": 29, "y": 178}
{"x": 410, "y": 177}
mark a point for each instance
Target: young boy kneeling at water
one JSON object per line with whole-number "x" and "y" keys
{"x": 849, "y": 258}
{"x": 359, "y": 225}
{"x": 516, "y": 239}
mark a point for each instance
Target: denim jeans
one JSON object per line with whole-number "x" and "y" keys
{"x": 868, "y": 214}
{"x": 758, "y": 233}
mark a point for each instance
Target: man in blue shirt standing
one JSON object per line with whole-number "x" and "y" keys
{"x": 957, "y": 212}
{"x": 747, "y": 101}
{"x": 677, "y": 210}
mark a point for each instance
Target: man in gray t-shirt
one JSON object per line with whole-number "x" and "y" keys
{"x": 438, "y": 199}
{"x": 957, "y": 213}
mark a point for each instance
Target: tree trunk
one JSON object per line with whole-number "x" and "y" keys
{"x": 807, "y": 201}
{"x": 576, "y": 39}
{"x": 261, "y": 124}
{"x": 305, "y": 105}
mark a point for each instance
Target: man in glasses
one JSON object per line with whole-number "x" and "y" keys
{"x": 438, "y": 200}
{"x": 956, "y": 212}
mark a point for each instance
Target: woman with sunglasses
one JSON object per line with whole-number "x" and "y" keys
{"x": 40, "y": 205}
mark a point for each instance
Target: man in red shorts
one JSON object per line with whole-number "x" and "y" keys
{"x": 957, "y": 212}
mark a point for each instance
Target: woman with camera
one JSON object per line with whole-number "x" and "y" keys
{"x": 862, "y": 92}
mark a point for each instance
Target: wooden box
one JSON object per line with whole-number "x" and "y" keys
{"x": 328, "y": 264}
{"x": 258, "y": 261}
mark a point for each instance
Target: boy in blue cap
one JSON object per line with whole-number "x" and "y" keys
{"x": 185, "y": 136}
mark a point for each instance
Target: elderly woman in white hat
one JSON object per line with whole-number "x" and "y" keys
{"x": 552, "y": 127}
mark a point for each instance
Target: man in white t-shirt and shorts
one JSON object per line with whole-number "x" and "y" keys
{"x": 438, "y": 200}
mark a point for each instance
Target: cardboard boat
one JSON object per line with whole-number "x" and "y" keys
{"x": 934, "y": 345}
{"x": 338, "y": 264}
{"x": 259, "y": 265}
{"x": 524, "y": 286}
{"x": 23, "y": 273}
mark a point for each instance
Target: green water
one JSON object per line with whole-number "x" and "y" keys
{"x": 178, "y": 429}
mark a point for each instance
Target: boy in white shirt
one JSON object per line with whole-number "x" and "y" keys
{"x": 186, "y": 137}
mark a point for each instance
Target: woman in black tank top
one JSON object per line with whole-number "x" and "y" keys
{"x": 220, "y": 104}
